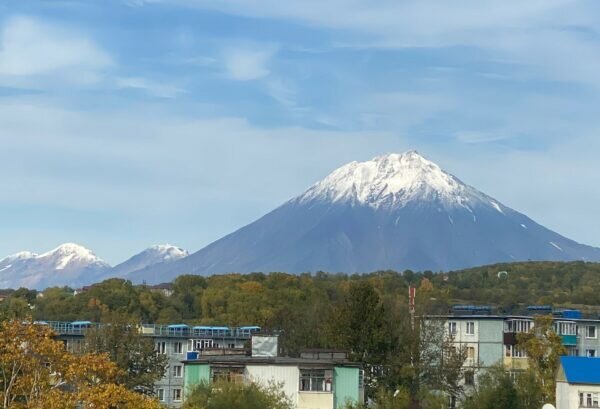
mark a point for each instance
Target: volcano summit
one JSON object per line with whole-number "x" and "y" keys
{"x": 396, "y": 211}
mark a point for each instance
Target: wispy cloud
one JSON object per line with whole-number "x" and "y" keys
{"x": 152, "y": 88}
{"x": 248, "y": 62}
{"x": 32, "y": 48}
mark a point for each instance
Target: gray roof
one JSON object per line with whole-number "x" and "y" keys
{"x": 282, "y": 361}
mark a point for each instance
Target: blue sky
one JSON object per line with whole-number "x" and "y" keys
{"x": 129, "y": 123}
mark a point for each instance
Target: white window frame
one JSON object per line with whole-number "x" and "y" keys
{"x": 589, "y": 399}
{"x": 178, "y": 347}
{"x": 160, "y": 394}
{"x": 590, "y": 353}
{"x": 161, "y": 347}
{"x": 177, "y": 371}
{"x": 471, "y": 325}
{"x": 452, "y": 327}
{"x": 587, "y": 332}
{"x": 180, "y": 393}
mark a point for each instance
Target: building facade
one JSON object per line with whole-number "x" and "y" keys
{"x": 175, "y": 341}
{"x": 491, "y": 338}
{"x": 578, "y": 383}
{"x": 317, "y": 380}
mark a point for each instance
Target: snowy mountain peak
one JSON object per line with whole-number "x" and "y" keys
{"x": 157, "y": 254}
{"x": 392, "y": 180}
{"x": 21, "y": 255}
{"x": 70, "y": 254}
{"x": 167, "y": 252}
{"x": 67, "y": 264}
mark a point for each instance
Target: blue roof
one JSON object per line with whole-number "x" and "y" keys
{"x": 581, "y": 369}
{"x": 249, "y": 328}
{"x": 178, "y": 326}
{"x": 202, "y": 327}
{"x": 81, "y": 322}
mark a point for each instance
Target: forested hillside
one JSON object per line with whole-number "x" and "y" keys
{"x": 303, "y": 304}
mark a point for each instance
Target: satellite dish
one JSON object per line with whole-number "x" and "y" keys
{"x": 504, "y": 274}
{"x": 548, "y": 406}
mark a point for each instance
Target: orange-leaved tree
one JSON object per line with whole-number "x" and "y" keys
{"x": 37, "y": 372}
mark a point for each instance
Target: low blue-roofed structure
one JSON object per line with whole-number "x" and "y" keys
{"x": 580, "y": 369}
{"x": 179, "y": 326}
{"x": 578, "y": 383}
{"x": 81, "y": 323}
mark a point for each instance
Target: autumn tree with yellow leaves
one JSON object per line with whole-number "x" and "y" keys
{"x": 36, "y": 372}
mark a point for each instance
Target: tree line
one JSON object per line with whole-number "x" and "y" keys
{"x": 366, "y": 315}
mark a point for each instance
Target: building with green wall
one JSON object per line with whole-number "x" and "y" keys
{"x": 315, "y": 380}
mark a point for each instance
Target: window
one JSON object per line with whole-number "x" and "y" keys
{"x": 590, "y": 353}
{"x": 177, "y": 371}
{"x": 200, "y": 344}
{"x": 470, "y": 328}
{"x": 588, "y": 400}
{"x": 518, "y": 326}
{"x": 161, "y": 347}
{"x": 228, "y": 374}
{"x": 177, "y": 348}
{"x": 469, "y": 378}
{"x": 513, "y": 351}
{"x": 566, "y": 328}
{"x": 452, "y": 328}
{"x": 160, "y": 394}
{"x": 231, "y": 346}
{"x": 315, "y": 380}
{"x": 590, "y": 331}
{"x": 177, "y": 395}
{"x": 471, "y": 353}
{"x": 361, "y": 379}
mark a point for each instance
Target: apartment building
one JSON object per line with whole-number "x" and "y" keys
{"x": 175, "y": 341}
{"x": 491, "y": 338}
{"x": 318, "y": 379}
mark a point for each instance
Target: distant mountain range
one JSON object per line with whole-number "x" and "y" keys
{"x": 74, "y": 265}
{"x": 396, "y": 211}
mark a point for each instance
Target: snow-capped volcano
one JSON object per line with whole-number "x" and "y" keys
{"x": 68, "y": 264}
{"x": 397, "y": 211}
{"x": 157, "y": 254}
{"x": 392, "y": 181}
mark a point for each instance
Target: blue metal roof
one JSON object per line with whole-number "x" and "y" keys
{"x": 81, "y": 323}
{"x": 581, "y": 369}
{"x": 178, "y": 326}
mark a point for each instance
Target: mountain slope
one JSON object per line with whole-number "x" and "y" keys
{"x": 68, "y": 264}
{"x": 157, "y": 254}
{"x": 397, "y": 211}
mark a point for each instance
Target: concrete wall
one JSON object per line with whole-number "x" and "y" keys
{"x": 567, "y": 395}
{"x": 287, "y": 376}
{"x": 315, "y": 400}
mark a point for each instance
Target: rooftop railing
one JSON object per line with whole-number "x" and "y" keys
{"x": 158, "y": 330}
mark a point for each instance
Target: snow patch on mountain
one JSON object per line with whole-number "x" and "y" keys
{"x": 393, "y": 181}
{"x": 67, "y": 264}
{"x": 157, "y": 254}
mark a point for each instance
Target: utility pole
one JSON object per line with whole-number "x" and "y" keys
{"x": 412, "y": 292}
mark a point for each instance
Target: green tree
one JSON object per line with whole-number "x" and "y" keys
{"x": 133, "y": 353}
{"x": 236, "y": 395}
{"x": 358, "y": 325}
{"x": 495, "y": 390}
{"x": 439, "y": 360}
{"x": 544, "y": 348}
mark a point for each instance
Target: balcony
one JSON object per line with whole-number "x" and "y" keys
{"x": 569, "y": 340}
{"x": 516, "y": 363}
